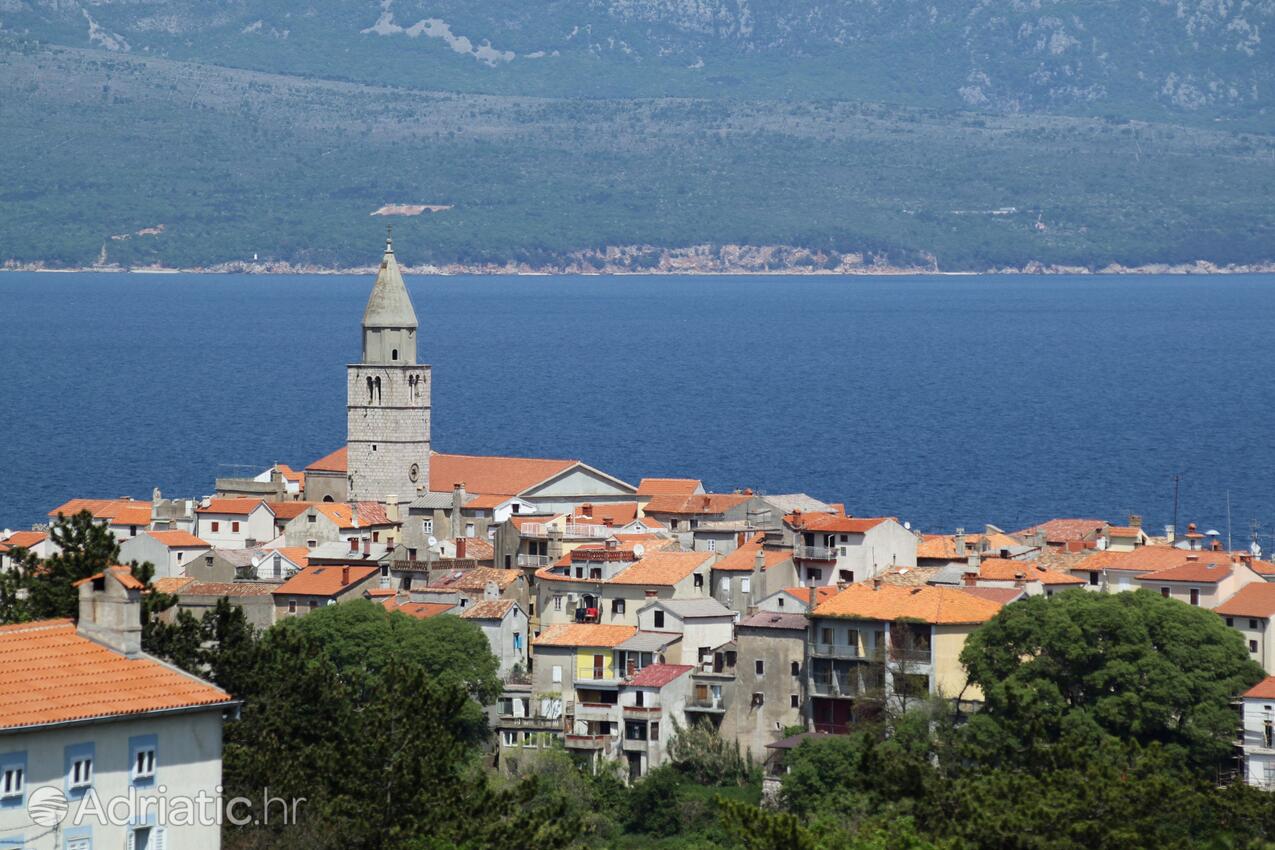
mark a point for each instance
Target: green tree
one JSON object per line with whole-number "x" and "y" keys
{"x": 1059, "y": 675}
{"x": 700, "y": 752}
{"x": 83, "y": 547}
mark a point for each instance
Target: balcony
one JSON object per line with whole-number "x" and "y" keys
{"x": 536, "y": 561}
{"x": 913, "y": 656}
{"x": 641, "y": 712}
{"x": 706, "y": 706}
{"x": 594, "y": 711}
{"x": 815, "y": 553}
{"x": 509, "y": 721}
{"x": 572, "y": 530}
{"x": 586, "y": 742}
{"x": 596, "y": 680}
{"x": 835, "y": 686}
{"x": 835, "y": 650}
{"x": 635, "y": 745}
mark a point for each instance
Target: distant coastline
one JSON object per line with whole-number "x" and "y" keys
{"x": 694, "y": 260}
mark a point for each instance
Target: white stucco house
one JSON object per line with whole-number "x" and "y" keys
{"x": 702, "y": 623}
{"x": 504, "y": 624}
{"x": 234, "y": 523}
{"x": 1258, "y": 742}
{"x": 87, "y": 717}
{"x": 831, "y": 549}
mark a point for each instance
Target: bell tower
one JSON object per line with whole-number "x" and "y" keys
{"x": 387, "y": 397}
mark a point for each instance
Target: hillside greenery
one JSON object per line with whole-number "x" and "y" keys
{"x": 100, "y": 147}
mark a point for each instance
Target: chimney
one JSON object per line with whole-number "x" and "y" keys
{"x": 367, "y": 546}
{"x": 759, "y": 562}
{"x": 458, "y": 501}
{"x": 841, "y": 585}
{"x": 1216, "y": 545}
{"x": 960, "y": 543}
{"x": 975, "y": 561}
{"x": 1020, "y": 579}
{"x": 970, "y": 578}
{"x": 1170, "y": 533}
{"x": 1135, "y": 521}
{"x": 586, "y": 510}
{"x": 345, "y": 575}
{"x": 876, "y": 584}
{"x": 1193, "y": 557}
{"x": 460, "y": 548}
{"x": 111, "y": 610}
{"x": 391, "y": 508}
{"x": 354, "y": 544}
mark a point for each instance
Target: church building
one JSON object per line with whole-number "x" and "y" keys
{"x": 387, "y": 402}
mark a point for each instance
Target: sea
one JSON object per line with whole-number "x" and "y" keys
{"x": 945, "y": 401}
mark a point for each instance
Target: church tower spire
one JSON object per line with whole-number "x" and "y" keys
{"x": 388, "y": 397}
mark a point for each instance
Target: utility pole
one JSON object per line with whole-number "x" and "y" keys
{"x": 1177, "y": 480}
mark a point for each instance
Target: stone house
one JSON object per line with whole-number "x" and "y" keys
{"x": 702, "y": 624}
{"x": 1257, "y": 742}
{"x": 752, "y": 572}
{"x": 318, "y": 586}
{"x": 339, "y": 522}
{"x": 170, "y": 551}
{"x": 125, "y": 518}
{"x": 770, "y": 680}
{"x": 326, "y": 479}
{"x": 504, "y": 624}
{"x": 1201, "y": 581}
{"x": 234, "y": 523}
{"x": 834, "y": 549}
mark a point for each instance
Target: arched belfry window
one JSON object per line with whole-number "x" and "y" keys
{"x": 394, "y": 354}
{"x": 369, "y": 389}
{"x": 378, "y": 389}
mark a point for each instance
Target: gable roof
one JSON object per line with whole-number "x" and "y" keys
{"x": 1006, "y": 569}
{"x": 836, "y": 523}
{"x": 693, "y": 608}
{"x": 803, "y": 593}
{"x": 337, "y": 461}
{"x": 669, "y": 487}
{"x": 344, "y": 514}
{"x": 937, "y": 605}
{"x": 663, "y": 568}
{"x": 584, "y": 634}
{"x": 1202, "y": 571}
{"x": 171, "y": 584}
{"x": 115, "y": 511}
{"x": 119, "y": 572}
{"x": 324, "y": 581}
{"x": 775, "y": 620}
{"x": 488, "y": 609}
{"x": 698, "y": 504}
{"x": 944, "y": 545}
{"x": 619, "y": 513}
{"x": 290, "y": 510}
{"x": 232, "y": 507}
{"x": 228, "y": 588}
{"x": 476, "y": 579}
{"x": 1063, "y": 530}
{"x": 1147, "y": 559}
{"x": 50, "y": 674}
{"x": 179, "y": 539}
{"x": 1264, "y": 689}
{"x": 1251, "y": 600}
{"x": 657, "y": 675}
{"x": 419, "y": 610}
{"x": 999, "y": 595}
{"x": 490, "y": 475}
{"x": 23, "y": 540}
{"x": 744, "y": 558}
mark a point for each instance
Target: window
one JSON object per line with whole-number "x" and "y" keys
{"x": 1252, "y": 646}
{"x": 509, "y": 737}
{"x": 723, "y": 585}
{"x": 144, "y": 763}
{"x": 1252, "y": 624}
{"x": 1164, "y": 591}
{"x": 132, "y": 531}
{"x": 759, "y": 667}
{"x": 745, "y": 585}
{"x": 794, "y": 701}
{"x": 699, "y": 580}
{"x": 813, "y": 574}
{"x": 310, "y": 544}
{"x": 216, "y": 526}
{"x": 309, "y": 518}
{"x": 81, "y": 774}
{"x": 658, "y": 618}
{"x": 796, "y": 668}
{"x": 234, "y": 526}
{"x": 528, "y": 739}
{"x": 1268, "y": 734}
{"x": 13, "y": 773}
{"x": 1195, "y": 595}
{"x": 376, "y": 537}
{"x": 617, "y": 606}
{"x": 278, "y": 565}
{"x": 314, "y": 603}
{"x": 292, "y": 606}
{"x": 655, "y": 730}
{"x": 847, "y": 576}
{"x": 579, "y": 572}
{"x": 469, "y": 529}
{"x": 712, "y": 545}
{"x": 779, "y": 602}
{"x": 1230, "y": 621}
{"x": 393, "y": 353}
{"x": 427, "y": 526}
{"x": 557, "y": 673}
{"x": 759, "y": 698}
{"x": 180, "y": 555}
{"x": 557, "y": 602}
{"x": 1093, "y": 579}
{"x": 517, "y": 641}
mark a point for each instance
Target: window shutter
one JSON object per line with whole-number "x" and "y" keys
{"x": 159, "y": 838}
{"x": 132, "y": 839}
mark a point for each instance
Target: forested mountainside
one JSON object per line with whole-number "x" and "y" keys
{"x": 963, "y": 135}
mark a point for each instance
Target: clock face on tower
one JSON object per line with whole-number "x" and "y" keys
{"x": 414, "y": 472}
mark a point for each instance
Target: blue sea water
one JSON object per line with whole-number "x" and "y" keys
{"x": 945, "y": 401}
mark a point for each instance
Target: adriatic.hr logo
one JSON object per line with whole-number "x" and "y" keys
{"x": 48, "y": 806}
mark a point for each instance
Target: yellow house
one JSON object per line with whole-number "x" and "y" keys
{"x": 878, "y": 641}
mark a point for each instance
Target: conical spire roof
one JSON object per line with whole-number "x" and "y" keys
{"x": 389, "y": 305}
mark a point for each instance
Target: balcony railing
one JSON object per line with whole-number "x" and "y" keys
{"x": 641, "y": 712}
{"x": 835, "y": 650}
{"x": 835, "y": 686}
{"x": 916, "y": 656}
{"x": 709, "y": 706}
{"x": 586, "y": 742}
{"x": 815, "y": 553}
{"x": 572, "y": 529}
{"x": 534, "y": 560}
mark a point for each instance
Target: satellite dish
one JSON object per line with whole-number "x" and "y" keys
{"x": 433, "y": 541}
{"x": 1213, "y": 532}
{"x": 638, "y": 550}
{"x": 1255, "y": 549}
{"x": 908, "y": 526}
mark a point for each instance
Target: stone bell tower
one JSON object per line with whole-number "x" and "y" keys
{"x": 387, "y": 401}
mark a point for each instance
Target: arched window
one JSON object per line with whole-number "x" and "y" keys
{"x": 328, "y": 499}
{"x": 369, "y": 389}
{"x": 394, "y": 354}
{"x": 378, "y": 389}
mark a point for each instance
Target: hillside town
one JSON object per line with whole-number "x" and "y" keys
{"x": 618, "y": 612}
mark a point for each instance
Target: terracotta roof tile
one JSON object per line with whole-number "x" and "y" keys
{"x": 290, "y": 510}
{"x": 344, "y": 514}
{"x": 657, "y": 675}
{"x": 1123, "y": 531}
{"x": 229, "y": 588}
{"x": 744, "y": 558}
{"x": 49, "y": 674}
{"x": 490, "y": 475}
{"x": 233, "y": 507}
{"x": 1202, "y": 571}
{"x": 420, "y": 610}
{"x": 669, "y": 486}
{"x": 584, "y": 634}
{"x": 1251, "y": 600}
{"x": 335, "y": 462}
{"x": 1005, "y": 569}
{"x": 119, "y": 572}
{"x": 999, "y": 595}
{"x": 171, "y": 584}
{"x": 620, "y": 513}
{"x": 486, "y": 503}
{"x": 324, "y": 581}
{"x": 178, "y": 539}
{"x": 290, "y": 474}
{"x": 118, "y": 511}
{"x": 1264, "y": 689}
{"x": 833, "y": 522}
{"x": 477, "y": 578}
{"x": 943, "y": 546}
{"x": 699, "y": 504}
{"x": 938, "y": 605}
{"x": 1144, "y": 559}
{"x": 803, "y": 593}
{"x": 25, "y": 539}
{"x": 662, "y": 568}
{"x": 1066, "y": 530}
{"x": 488, "y": 609}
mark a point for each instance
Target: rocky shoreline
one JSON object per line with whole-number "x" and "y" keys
{"x": 693, "y": 260}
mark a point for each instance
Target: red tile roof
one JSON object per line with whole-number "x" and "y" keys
{"x": 324, "y": 581}
{"x": 744, "y": 558}
{"x": 1066, "y": 530}
{"x": 584, "y": 634}
{"x": 1264, "y": 689}
{"x": 488, "y": 609}
{"x": 490, "y": 475}
{"x": 620, "y": 513}
{"x": 486, "y": 503}
{"x": 117, "y": 511}
{"x": 999, "y": 595}
{"x": 289, "y": 510}
{"x": 669, "y": 486}
{"x": 1005, "y": 569}
{"x": 477, "y": 579}
{"x": 233, "y": 507}
{"x": 420, "y": 610}
{"x": 1144, "y": 559}
{"x": 834, "y": 523}
{"x": 943, "y": 546}
{"x": 24, "y": 539}
{"x": 119, "y": 572}
{"x": 290, "y": 474}
{"x": 662, "y": 568}
{"x": 699, "y": 504}
{"x": 335, "y": 462}
{"x": 1123, "y": 531}
{"x": 1251, "y": 600}
{"x": 803, "y": 593}
{"x": 1203, "y": 571}
{"x": 657, "y": 675}
{"x": 938, "y": 605}
{"x": 298, "y": 555}
{"x": 229, "y": 588}
{"x": 171, "y": 584}
{"x": 179, "y": 539}
{"x": 49, "y": 674}
{"x": 344, "y": 515}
